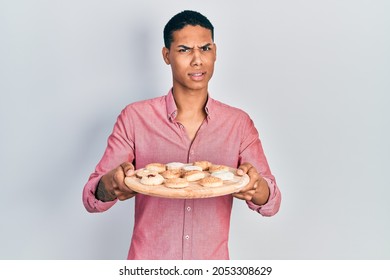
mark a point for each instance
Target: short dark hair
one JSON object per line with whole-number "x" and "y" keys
{"x": 183, "y": 19}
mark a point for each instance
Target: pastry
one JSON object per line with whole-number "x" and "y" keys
{"x": 152, "y": 179}
{"x": 211, "y": 181}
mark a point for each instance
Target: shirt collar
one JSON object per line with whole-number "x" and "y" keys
{"x": 172, "y": 108}
{"x": 208, "y": 106}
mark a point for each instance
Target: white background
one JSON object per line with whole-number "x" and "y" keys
{"x": 313, "y": 75}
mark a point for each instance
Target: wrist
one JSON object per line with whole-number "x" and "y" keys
{"x": 262, "y": 193}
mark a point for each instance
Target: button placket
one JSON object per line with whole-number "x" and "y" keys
{"x": 187, "y": 230}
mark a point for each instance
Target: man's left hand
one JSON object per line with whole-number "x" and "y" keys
{"x": 257, "y": 189}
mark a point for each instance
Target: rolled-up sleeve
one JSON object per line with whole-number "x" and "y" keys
{"x": 120, "y": 148}
{"x": 252, "y": 151}
{"x": 91, "y": 203}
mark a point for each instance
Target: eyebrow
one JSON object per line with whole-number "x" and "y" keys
{"x": 188, "y": 48}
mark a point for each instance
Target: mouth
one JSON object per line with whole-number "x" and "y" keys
{"x": 197, "y": 76}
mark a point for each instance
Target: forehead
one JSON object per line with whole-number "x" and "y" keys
{"x": 192, "y": 35}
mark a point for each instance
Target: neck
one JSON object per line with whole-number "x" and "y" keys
{"x": 190, "y": 102}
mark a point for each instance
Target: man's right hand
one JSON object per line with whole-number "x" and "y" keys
{"x": 112, "y": 185}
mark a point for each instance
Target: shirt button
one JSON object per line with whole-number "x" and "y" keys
{"x": 188, "y": 208}
{"x": 192, "y": 152}
{"x": 187, "y": 237}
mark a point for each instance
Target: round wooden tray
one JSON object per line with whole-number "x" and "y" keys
{"x": 194, "y": 190}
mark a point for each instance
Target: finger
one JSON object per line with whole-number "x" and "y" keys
{"x": 255, "y": 185}
{"x": 253, "y": 178}
{"x": 252, "y": 173}
{"x": 249, "y": 187}
{"x": 122, "y": 191}
{"x": 119, "y": 176}
{"x": 243, "y": 168}
{"x": 245, "y": 196}
{"x": 126, "y": 195}
{"x": 128, "y": 169}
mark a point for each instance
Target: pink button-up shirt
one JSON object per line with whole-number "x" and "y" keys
{"x": 146, "y": 132}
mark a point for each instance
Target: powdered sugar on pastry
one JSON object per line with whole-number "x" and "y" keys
{"x": 191, "y": 167}
{"x": 174, "y": 165}
{"x": 224, "y": 175}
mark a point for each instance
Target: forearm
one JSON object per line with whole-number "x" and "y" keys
{"x": 102, "y": 193}
{"x": 271, "y": 207}
{"x": 91, "y": 203}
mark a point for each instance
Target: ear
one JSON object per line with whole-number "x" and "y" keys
{"x": 165, "y": 54}
{"x": 215, "y": 52}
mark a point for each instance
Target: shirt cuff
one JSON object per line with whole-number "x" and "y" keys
{"x": 91, "y": 203}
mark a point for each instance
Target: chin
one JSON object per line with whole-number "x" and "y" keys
{"x": 198, "y": 88}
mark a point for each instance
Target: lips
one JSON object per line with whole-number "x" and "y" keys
{"x": 197, "y": 76}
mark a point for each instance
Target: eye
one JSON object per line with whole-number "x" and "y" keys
{"x": 184, "y": 50}
{"x": 206, "y": 48}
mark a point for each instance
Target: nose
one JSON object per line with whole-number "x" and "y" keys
{"x": 196, "y": 58}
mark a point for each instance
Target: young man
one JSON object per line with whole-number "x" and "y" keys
{"x": 186, "y": 125}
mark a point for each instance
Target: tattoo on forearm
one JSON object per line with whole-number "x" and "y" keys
{"x": 102, "y": 194}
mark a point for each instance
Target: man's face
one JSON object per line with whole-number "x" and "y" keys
{"x": 192, "y": 56}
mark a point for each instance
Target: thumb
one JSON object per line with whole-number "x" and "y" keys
{"x": 128, "y": 169}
